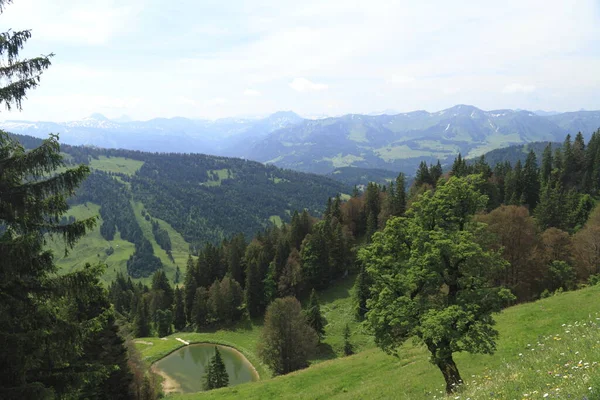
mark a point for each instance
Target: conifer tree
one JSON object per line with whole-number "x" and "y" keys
{"x": 142, "y": 319}
{"x": 179, "y": 319}
{"x": 200, "y": 310}
{"x": 216, "y": 374}
{"x": 189, "y": 286}
{"x": 164, "y": 320}
{"x": 546, "y": 168}
{"x": 33, "y": 195}
{"x": 313, "y": 315}
{"x": 348, "y": 347}
{"x": 361, "y": 295}
{"x": 435, "y": 172}
{"x": 568, "y": 169}
{"x": 400, "y": 198}
{"x": 423, "y": 176}
{"x": 531, "y": 181}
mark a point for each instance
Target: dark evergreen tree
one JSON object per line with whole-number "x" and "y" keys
{"x": 531, "y": 181}
{"x": 361, "y": 295}
{"x": 33, "y": 200}
{"x": 348, "y": 347}
{"x": 190, "y": 285}
{"x": 313, "y": 315}
{"x": 164, "y": 321}
{"x": 400, "y": 199}
{"x": 201, "y": 310}
{"x": 546, "y": 168}
{"x": 216, "y": 374}
{"x": 142, "y": 319}
{"x": 435, "y": 172}
{"x": 423, "y": 176}
{"x": 179, "y": 319}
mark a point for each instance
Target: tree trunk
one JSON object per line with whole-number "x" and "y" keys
{"x": 450, "y": 372}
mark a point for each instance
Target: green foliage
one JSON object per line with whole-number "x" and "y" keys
{"x": 142, "y": 326}
{"x": 287, "y": 340}
{"x": 216, "y": 374}
{"x": 164, "y": 320}
{"x": 313, "y": 315}
{"x": 179, "y": 318}
{"x": 348, "y": 348}
{"x": 361, "y": 295}
{"x": 561, "y": 275}
{"x": 431, "y": 280}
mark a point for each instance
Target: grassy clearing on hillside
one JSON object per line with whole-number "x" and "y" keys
{"x": 221, "y": 175}
{"x": 92, "y": 247}
{"x": 374, "y": 375}
{"x": 343, "y": 161}
{"x": 180, "y": 248}
{"x": 276, "y": 220}
{"x": 336, "y": 307}
{"x": 116, "y": 164}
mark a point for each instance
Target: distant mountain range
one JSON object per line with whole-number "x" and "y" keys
{"x": 393, "y": 142}
{"x": 399, "y": 142}
{"x": 172, "y": 135}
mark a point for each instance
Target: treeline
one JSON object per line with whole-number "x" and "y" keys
{"x": 538, "y": 215}
{"x": 117, "y": 215}
{"x": 209, "y": 198}
{"x": 236, "y": 278}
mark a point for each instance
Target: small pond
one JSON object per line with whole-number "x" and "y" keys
{"x": 184, "y": 368}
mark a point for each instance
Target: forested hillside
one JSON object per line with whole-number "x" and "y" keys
{"x": 201, "y": 198}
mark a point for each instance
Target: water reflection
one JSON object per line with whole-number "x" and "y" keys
{"x": 187, "y": 366}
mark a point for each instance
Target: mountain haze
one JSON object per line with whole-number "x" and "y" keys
{"x": 391, "y": 142}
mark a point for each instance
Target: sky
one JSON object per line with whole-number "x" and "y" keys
{"x": 213, "y": 59}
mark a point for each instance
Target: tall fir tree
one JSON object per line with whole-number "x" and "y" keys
{"x": 313, "y": 315}
{"x": 531, "y": 181}
{"x": 142, "y": 326}
{"x": 179, "y": 319}
{"x": 348, "y": 347}
{"x": 546, "y": 168}
{"x": 400, "y": 198}
{"x": 216, "y": 374}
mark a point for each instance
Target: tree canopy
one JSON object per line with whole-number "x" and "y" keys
{"x": 430, "y": 278}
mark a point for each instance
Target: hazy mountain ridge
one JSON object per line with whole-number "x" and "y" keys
{"x": 392, "y": 142}
{"x": 400, "y": 142}
{"x": 178, "y": 134}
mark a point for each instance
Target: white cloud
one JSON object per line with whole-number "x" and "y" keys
{"x": 518, "y": 88}
{"x": 90, "y": 22}
{"x": 304, "y": 85}
{"x": 251, "y": 93}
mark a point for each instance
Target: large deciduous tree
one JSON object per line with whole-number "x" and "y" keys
{"x": 430, "y": 278}
{"x": 287, "y": 340}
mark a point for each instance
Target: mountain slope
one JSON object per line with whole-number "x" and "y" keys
{"x": 374, "y": 375}
{"x": 399, "y": 142}
{"x": 166, "y": 205}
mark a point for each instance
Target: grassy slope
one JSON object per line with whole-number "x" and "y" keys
{"x": 91, "y": 248}
{"x": 116, "y": 164}
{"x": 372, "y": 374}
{"x": 336, "y": 304}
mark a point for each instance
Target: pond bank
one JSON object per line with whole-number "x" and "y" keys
{"x": 183, "y": 368}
